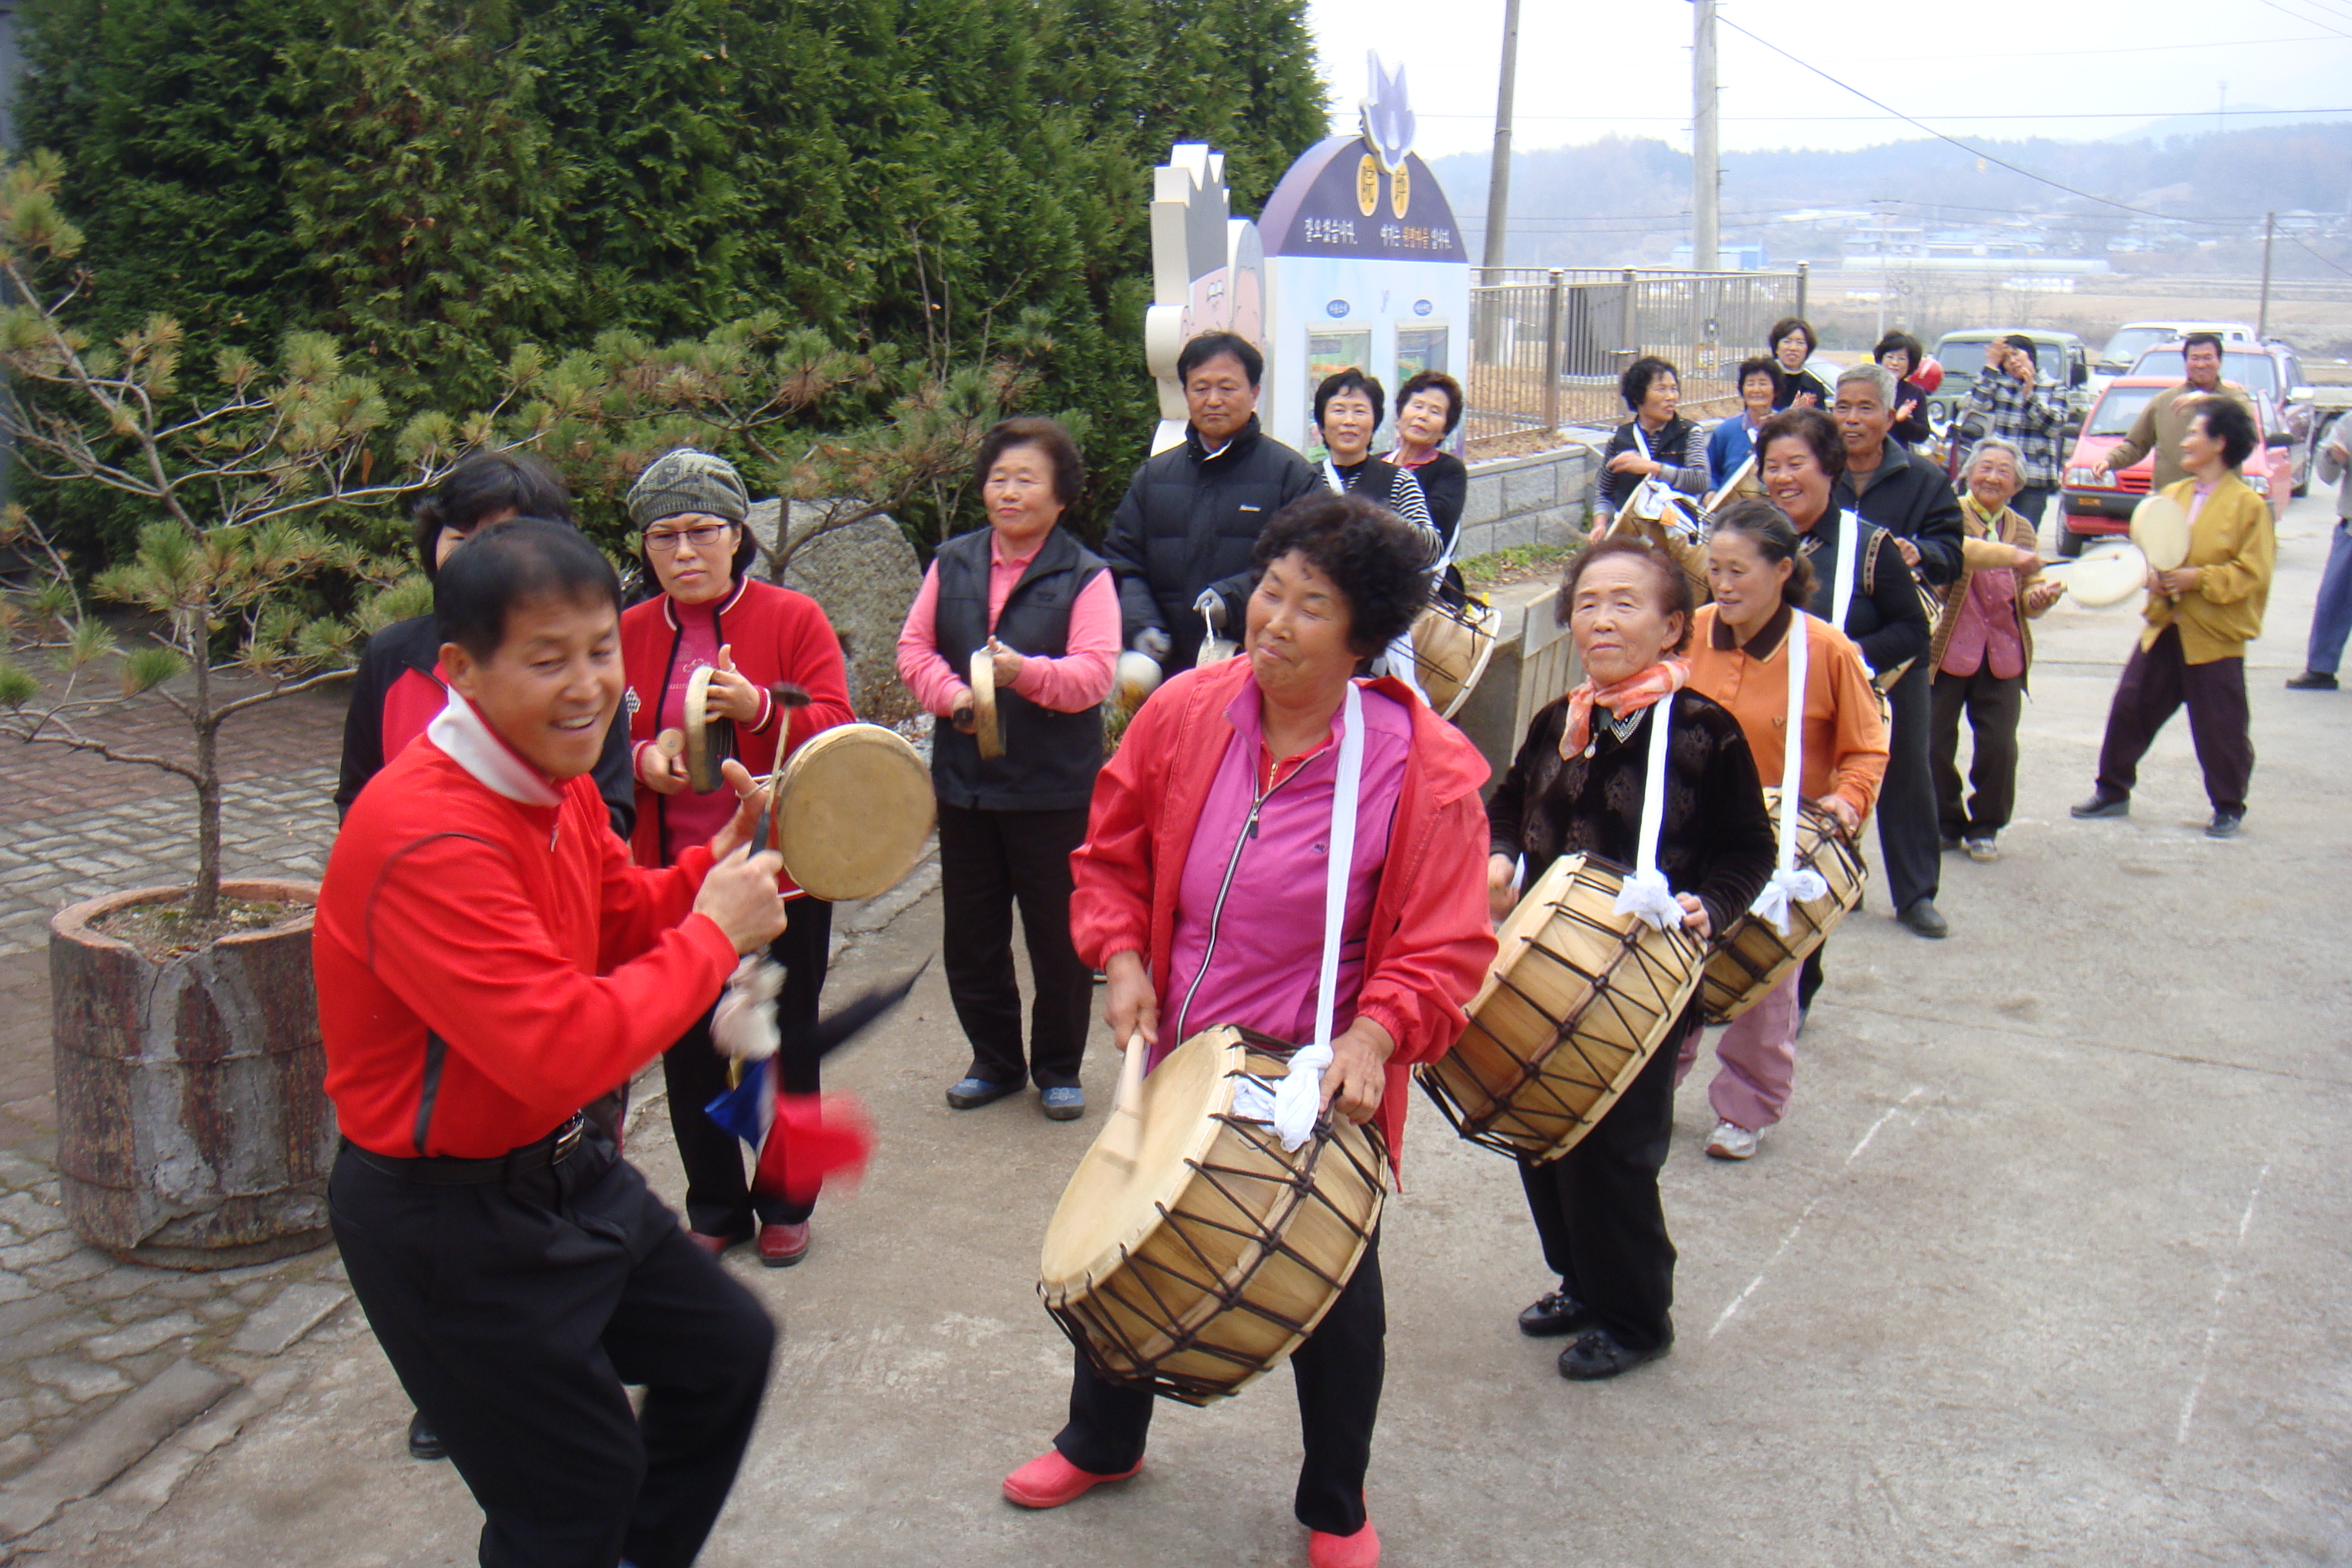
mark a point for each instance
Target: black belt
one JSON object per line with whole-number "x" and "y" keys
{"x": 448, "y": 1171}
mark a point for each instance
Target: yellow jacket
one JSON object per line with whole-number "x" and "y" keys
{"x": 2232, "y": 544}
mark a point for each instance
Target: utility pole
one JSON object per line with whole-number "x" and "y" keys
{"x": 1498, "y": 178}
{"x": 2263, "y": 314}
{"x": 1706, "y": 236}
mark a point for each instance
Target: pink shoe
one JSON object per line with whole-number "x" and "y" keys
{"x": 1050, "y": 1480}
{"x": 1361, "y": 1550}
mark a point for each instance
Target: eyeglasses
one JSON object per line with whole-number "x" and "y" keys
{"x": 702, "y": 537}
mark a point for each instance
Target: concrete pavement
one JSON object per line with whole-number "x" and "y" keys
{"x": 2047, "y": 1262}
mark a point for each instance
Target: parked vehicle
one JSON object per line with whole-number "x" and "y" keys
{"x": 2061, "y": 357}
{"x": 2265, "y": 369}
{"x": 2133, "y": 338}
{"x": 2098, "y": 504}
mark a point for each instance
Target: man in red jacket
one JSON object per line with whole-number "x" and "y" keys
{"x": 488, "y": 961}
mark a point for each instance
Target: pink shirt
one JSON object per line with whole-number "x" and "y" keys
{"x": 689, "y": 818}
{"x": 1070, "y": 683}
{"x": 1987, "y": 634}
{"x": 1248, "y": 938}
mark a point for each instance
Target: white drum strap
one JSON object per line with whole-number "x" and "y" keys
{"x": 1646, "y": 892}
{"x": 1849, "y": 548}
{"x": 1332, "y": 472}
{"x": 1298, "y": 1097}
{"x": 1787, "y": 882}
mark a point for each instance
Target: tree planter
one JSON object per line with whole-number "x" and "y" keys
{"x": 193, "y": 1125}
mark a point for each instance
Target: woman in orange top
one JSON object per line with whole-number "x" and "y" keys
{"x": 1739, "y": 656}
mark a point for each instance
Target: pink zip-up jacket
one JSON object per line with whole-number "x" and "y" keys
{"x": 1429, "y": 940}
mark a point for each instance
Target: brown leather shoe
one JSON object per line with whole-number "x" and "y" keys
{"x": 781, "y": 1245}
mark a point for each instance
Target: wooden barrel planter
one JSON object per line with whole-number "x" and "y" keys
{"x": 193, "y": 1125}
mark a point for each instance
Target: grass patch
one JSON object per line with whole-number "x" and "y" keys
{"x": 1516, "y": 563}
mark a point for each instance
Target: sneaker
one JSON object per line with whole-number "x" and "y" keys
{"x": 1065, "y": 1104}
{"x": 1050, "y": 1480}
{"x": 972, "y": 1093}
{"x": 2225, "y": 825}
{"x": 1983, "y": 851}
{"x": 2102, "y": 803}
{"x": 2311, "y": 681}
{"x": 1729, "y": 1140}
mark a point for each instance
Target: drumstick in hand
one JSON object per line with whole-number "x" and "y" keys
{"x": 1122, "y": 1141}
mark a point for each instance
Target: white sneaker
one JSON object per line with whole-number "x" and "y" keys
{"x": 1983, "y": 851}
{"x": 1729, "y": 1140}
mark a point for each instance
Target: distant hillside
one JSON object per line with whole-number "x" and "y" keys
{"x": 1626, "y": 200}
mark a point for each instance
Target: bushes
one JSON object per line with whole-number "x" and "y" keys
{"x": 438, "y": 182}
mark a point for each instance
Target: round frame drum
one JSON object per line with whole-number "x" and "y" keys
{"x": 1209, "y": 1263}
{"x": 2107, "y": 573}
{"x": 987, "y": 729}
{"x": 1752, "y": 957}
{"x": 852, "y": 808}
{"x": 1578, "y": 999}
{"x": 2159, "y": 526}
{"x": 1451, "y": 646}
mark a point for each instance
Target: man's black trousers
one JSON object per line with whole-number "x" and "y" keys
{"x": 1598, "y": 1213}
{"x": 718, "y": 1200}
{"x": 1909, "y": 841}
{"x": 516, "y": 1310}
{"x": 1339, "y": 1370}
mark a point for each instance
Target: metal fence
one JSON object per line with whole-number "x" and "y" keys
{"x": 1547, "y": 346}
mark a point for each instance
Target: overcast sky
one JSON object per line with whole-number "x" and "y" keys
{"x": 1991, "y": 68}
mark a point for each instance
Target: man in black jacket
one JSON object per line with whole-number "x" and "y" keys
{"x": 1913, "y": 501}
{"x": 1181, "y": 537}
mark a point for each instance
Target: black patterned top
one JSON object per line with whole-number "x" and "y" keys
{"x": 1716, "y": 841}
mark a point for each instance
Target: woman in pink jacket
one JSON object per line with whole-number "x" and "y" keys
{"x": 1200, "y": 893}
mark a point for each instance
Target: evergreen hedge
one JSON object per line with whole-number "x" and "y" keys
{"x": 437, "y": 183}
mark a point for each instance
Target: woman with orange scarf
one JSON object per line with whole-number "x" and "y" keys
{"x": 1743, "y": 656}
{"x": 1579, "y": 784}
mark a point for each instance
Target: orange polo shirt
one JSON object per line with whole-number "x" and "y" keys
{"x": 1845, "y": 738}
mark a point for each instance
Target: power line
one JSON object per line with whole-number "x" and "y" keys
{"x": 2306, "y": 21}
{"x": 2299, "y": 245}
{"x": 1814, "y": 118}
{"x": 2056, "y": 54}
{"x": 1972, "y": 151}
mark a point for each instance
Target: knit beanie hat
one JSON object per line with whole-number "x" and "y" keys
{"x": 688, "y": 481}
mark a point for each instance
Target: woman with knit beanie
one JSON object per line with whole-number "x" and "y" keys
{"x": 691, "y": 511}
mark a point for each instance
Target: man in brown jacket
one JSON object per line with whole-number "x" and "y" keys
{"x": 2162, "y": 424}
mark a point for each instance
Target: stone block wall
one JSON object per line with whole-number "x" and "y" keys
{"x": 1539, "y": 499}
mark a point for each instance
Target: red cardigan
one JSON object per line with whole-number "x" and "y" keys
{"x": 505, "y": 957}
{"x": 1432, "y": 938}
{"x": 775, "y": 633}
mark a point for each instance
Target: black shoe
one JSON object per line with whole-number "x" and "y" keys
{"x": 1555, "y": 1312}
{"x": 1597, "y": 1354}
{"x": 1923, "y": 920}
{"x": 1951, "y": 842}
{"x": 2102, "y": 803}
{"x": 2311, "y": 681}
{"x": 2224, "y": 825}
{"x": 424, "y": 1443}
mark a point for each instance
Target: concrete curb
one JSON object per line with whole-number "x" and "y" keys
{"x": 111, "y": 1444}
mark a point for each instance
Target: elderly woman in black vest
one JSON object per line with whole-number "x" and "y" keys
{"x": 1046, "y": 608}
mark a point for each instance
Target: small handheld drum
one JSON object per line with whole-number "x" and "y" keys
{"x": 987, "y": 728}
{"x": 1208, "y": 1265}
{"x": 2108, "y": 572}
{"x": 1451, "y": 644}
{"x": 852, "y": 808}
{"x": 1752, "y": 957}
{"x": 2159, "y": 526}
{"x": 708, "y": 742}
{"x": 1579, "y": 998}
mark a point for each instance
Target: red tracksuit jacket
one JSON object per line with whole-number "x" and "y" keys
{"x": 1430, "y": 939}
{"x": 486, "y": 966}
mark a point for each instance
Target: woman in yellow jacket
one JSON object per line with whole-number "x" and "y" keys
{"x": 2201, "y": 616}
{"x": 1739, "y": 657}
